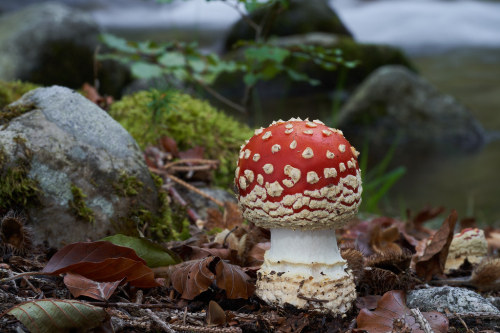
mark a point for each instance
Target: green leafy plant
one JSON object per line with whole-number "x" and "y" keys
{"x": 259, "y": 59}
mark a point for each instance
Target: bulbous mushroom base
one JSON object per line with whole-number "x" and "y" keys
{"x": 321, "y": 294}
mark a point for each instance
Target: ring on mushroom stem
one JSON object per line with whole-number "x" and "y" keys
{"x": 302, "y": 180}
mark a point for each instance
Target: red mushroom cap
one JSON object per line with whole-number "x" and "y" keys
{"x": 300, "y": 175}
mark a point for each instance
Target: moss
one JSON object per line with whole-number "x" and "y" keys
{"x": 127, "y": 186}
{"x": 78, "y": 205}
{"x": 17, "y": 190}
{"x": 12, "y": 91}
{"x": 10, "y": 112}
{"x": 147, "y": 115}
{"x": 168, "y": 223}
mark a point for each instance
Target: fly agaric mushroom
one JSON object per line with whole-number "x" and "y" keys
{"x": 301, "y": 179}
{"x": 468, "y": 244}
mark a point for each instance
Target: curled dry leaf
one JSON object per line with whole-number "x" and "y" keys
{"x": 215, "y": 315}
{"x": 255, "y": 256}
{"x": 194, "y": 277}
{"x": 81, "y": 286}
{"x": 434, "y": 257}
{"x": 102, "y": 261}
{"x": 392, "y": 309}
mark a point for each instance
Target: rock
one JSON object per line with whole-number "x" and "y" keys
{"x": 83, "y": 175}
{"x": 50, "y": 43}
{"x": 201, "y": 204}
{"x": 301, "y": 17}
{"x": 396, "y": 105}
{"x": 459, "y": 300}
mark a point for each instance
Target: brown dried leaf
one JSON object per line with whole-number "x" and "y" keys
{"x": 367, "y": 302}
{"x": 233, "y": 280}
{"x": 486, "y": 276}
{"x": 255, "y": 256}
{"x": 79, "y": 285}
{"x": 196, "y": 152}
{"x": 102, "y": 261}
{"x": 215, "y": 315}
{"x": 169, "y": 145}
{"x": 416, "y": 224}
{"x": 194, "y": 277}
{"x": 232, "y": 217}
{"x": 390, "y": 308}
{"x": 93, "y": 95}
{"x": 191, "y": 278}
{"x": 435, "y": 254}
{"x": 383, "y": 240}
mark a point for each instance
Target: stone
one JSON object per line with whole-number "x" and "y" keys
{"x": 300, "y": 17}
{"x": 201, "y": 204}
{"x": 89, "y": 173}
{"x": 50, "y": 43}
{"x": 458, "y": 300}
{"x": 396, "y": 106}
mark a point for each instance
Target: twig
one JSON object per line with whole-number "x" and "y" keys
{"x": 20, "y": 275}
{"x": 194, "y": 189}
{"x": 191, "y": 160}
{"x": 160, "y": 322}
{"x": 204, "y": 329}
{"x": 420, "y": 319}
{"x": 177, "y": 197}
{"x": 133, "y": 305}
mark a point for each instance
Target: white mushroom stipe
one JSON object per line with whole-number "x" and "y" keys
{"x": 308, "y": 264}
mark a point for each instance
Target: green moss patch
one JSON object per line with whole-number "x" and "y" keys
{"x": 148, "y": 115}
{"x": 12, "y": 91}
{"x": 17, "y": 190}
{"x": 127, "y": 186}
{"x": 78, "y": 205}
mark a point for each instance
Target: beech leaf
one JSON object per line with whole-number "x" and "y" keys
{"x": 81, "y": 286}
{"x": 215, "y": 315}
{"x": 51, "y": 315}
{"x": 102, "y": 261}
{"x": 434, "y": 257}
{"x": 191, "y": 278}
{"x": 152, "y": 253}
{"x": 391, "y": 307}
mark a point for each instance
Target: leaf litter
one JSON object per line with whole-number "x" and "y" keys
{"x": 137, "y": 285}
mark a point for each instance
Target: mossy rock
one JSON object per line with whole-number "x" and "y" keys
{"x": 299, "y": 18}
{"x": 12, "y": 91}
{"x": 148, "y": 115}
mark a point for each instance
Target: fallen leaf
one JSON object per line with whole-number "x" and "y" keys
{"x": 232, "y": 217}
{"x": 391, "y": 308}
{"x": 91, "y": 93}
{"x": 415, "y": 225}
{"x": 169, "y": 145}
{"x": 215, "y": 315}
{"x": 434, "y": 257}
{"x": 486, "y": 276}
{"x": 51, "y": 315}
{"x": 233, "y": 280}
{"x": 152, "y": 253}
{"x": 191, "y": 278}
{"x": 81, "y": 286}
{"x": 367, "y": 302}
{"x": 102, "y": 261}
{"x": 383, "y": 239}
{"x": 255, "y": 256}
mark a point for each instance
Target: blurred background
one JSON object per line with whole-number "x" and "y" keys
{"x": 448, "y": 53}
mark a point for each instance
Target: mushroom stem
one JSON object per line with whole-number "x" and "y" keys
{"x": 306, "y": 252}
{"x": 304, "y": 268}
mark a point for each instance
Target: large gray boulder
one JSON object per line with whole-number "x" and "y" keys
{"x": 50, "y": 43}
{"x": 459, "y": 300}
{"x": 394, "y": 104}
{"x": 84, "y": 175}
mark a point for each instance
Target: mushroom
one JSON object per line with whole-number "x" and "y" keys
{"x": 468, "y": 244}
{"x": 301, "y": 179}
